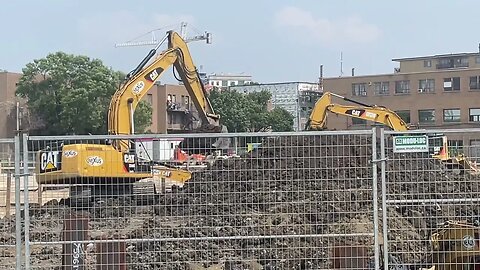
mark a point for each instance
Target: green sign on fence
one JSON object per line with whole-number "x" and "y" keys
{"x": 408, "y": 144}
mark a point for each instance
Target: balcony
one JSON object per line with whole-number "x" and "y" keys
{"x": 176, "y": 106}
{"x": 452, "y": 63}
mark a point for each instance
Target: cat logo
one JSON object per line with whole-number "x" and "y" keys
{"x": 50, "y": 161}
{"x": 153, "y": 75}
{"x": 164, "y": 173}
{"x": 128, "y": 159}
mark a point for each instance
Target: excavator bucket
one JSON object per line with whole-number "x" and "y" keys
{"x": 462, "y": 164}
{"x": 206, "y": 144}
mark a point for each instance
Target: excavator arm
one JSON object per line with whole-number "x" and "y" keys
{"x": 141, "y": 79}
{"x": 382, "y": 115}
{"x": 318, "y": 117}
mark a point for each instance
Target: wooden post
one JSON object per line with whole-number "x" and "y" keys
{"x": 75, "y": 230}
{"x": 39, "y": 196}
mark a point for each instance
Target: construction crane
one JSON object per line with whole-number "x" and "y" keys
{"x": 207, "y": 36}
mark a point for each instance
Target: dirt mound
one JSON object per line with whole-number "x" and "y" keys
{"x": 236, "y": 213}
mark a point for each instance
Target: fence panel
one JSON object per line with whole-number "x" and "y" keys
{"x": 7, "y": 204}
{"x": 431, "y": 199}
{"x": 274, "y": 201}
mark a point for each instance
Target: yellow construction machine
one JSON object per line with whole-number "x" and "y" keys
{"x": 385, "y": 116}
{"x": 114, "y": 167}
{"x": 454, "y": 246}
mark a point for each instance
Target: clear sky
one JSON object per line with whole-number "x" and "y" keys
{"x": 272, "y": 40}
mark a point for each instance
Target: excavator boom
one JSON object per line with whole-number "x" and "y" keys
{"x": 88, "y": 168}
{"x": 382, "y": 115}
{"x": 141, "y": 80}
{"x": 318, "y": 117}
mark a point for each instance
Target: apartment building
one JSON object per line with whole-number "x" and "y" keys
{"x": 438, "y": 91}
{"x": 172, "y": 109}
{"x": 298, "y": 98}
{"x": 222, "y": 81}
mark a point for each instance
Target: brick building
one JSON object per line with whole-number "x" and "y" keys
{"x": 8, "y": 103}
{"x": 172, "y": 108}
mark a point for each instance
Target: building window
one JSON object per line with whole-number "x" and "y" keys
{"x": 474, "y": 115}
{"x": 459, "y": 62}
{"x": 451, "y": 84}
{"x": 405, "y": 115}
{"x": 474, "y": 149}
{"x": 451, "y": 115}
{"x": 149, "y": 99}
{"x": 475, "y": 82}
{"x": 455, "y": 147}
{"x": 426, "y": 86}
{"x": 426, "y": 116}
{"x": 381, "y": 88}
{"x": 402, "y": 87}
{"x": 427, "y": 63}
{"x": 359, "y": 89}
{"x": 477, "y": 60}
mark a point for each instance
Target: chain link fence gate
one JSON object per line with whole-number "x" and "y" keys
{"x": 431, "y": 194}
{"x": 303, "y": 200}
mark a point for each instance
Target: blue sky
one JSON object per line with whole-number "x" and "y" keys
{"x": 272, "y": 40}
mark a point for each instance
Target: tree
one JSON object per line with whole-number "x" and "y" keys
{"x": 281, "y": 120}
{"x": 232, "y": 108}
{"x": 249, "y": 112}
{"x": 71, "y": 94}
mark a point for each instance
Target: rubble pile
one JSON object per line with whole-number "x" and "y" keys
{"x": 234, "y": 214}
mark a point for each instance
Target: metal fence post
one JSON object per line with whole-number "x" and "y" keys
{"x": 18, "y": 223}
{"x": 375, "y": 198}
{"x": 26, "y": 174}
{"x": 384, "y": 200}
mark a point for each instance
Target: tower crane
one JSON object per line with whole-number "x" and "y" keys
{"x": 207, "y": 36}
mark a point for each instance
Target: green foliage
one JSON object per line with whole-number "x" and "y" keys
{"x": 249, "y": 112}
{"x": 142, "y": 117}
{"x": 71, "y": 94}
{"x": 281, "y": 120}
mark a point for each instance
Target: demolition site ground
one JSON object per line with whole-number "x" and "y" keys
{"x": 279, "y": 207}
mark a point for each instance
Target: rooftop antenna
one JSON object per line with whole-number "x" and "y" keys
{"x": 341, "y": 64}
{"x": 207, "y": 36}
{"x": 320, "y": 79}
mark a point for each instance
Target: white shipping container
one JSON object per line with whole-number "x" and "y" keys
{"x": 157, "y": 150}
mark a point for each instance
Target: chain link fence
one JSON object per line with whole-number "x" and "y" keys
{"x": 431, "y": 192}
{"x": 270, "y": 201}
{"x": 303, "y": 200}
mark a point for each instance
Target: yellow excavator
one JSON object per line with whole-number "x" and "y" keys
{"x": 113, "y": 167}
{"x": 385, "y": 116}
{"x": 453, "y": 246}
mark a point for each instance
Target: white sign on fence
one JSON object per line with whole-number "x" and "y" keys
{"x": 409, "y": 144}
